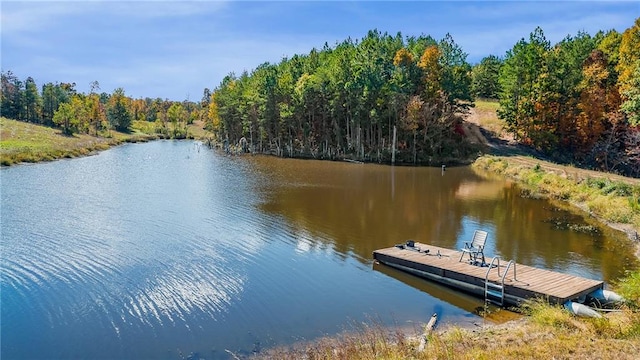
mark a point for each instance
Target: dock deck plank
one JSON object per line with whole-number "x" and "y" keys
{"x": 531, "y": 281}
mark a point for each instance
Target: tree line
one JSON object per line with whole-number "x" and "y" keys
{"x": 576, "y": 101}
{"x": 388, "y": 97}
{"x": 359, "y": 99}
{"x": 61, "y": 105}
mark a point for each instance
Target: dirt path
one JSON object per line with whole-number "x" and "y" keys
{"x": 499, "y": 143}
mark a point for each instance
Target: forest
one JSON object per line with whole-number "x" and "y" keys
{"x": 389, "y": 98}
{"x": 359, "y": 100}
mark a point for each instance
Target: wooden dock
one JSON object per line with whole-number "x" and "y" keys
{"x": 520, "y": 283}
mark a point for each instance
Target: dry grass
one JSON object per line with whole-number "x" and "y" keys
{"x": 484, "y": 115}
{"x": 197, "y": 130}
{"x": 549, "y": 333}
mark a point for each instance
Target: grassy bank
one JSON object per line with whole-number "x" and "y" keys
{"x": 549, "y": 332}
{"x": 25, "y": 142}
{"x": 613, "y": 199}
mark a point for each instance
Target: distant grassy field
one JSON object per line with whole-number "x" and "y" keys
{"x": 197, "y": 130}
{"x": 194, "y": 131}
{"x": 24, "y": 142}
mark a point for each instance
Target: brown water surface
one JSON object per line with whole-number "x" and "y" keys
{"x": 359, "y": 208}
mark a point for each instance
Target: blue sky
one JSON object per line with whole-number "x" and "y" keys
{"x": 174, "y": 49}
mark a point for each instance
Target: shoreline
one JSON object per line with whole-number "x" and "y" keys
{"x": 573, "y": 186}
{"x": 26, "y": 143}
{"x": 29, "y": 143}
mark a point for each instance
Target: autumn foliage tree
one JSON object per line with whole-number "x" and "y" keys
{"x": 578, "y": 100}
{"x": 432, "y": 72}
{"x": 599, "y": 101}
{"x": 629, "y": 70}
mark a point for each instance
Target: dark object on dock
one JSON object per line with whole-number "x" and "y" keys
{"x": 410, "y": 245}
{"x": 504, "y": 284}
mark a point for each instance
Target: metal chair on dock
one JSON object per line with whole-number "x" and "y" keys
{"x": 475, "y": 248}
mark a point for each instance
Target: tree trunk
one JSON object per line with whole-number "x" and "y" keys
{"x": 393, "y": 147}
{"x": 414, "y": 147}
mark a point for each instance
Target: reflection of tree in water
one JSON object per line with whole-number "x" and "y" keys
{"x": 363, "y": 208}
{"x": 359, "y": 208}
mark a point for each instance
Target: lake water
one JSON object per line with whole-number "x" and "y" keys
{"x": 170, "y": 250}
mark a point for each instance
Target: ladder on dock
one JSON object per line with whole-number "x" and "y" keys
{"x": 494, "y": 291}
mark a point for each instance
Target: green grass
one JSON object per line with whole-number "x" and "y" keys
{"x": 25, "y": 142}
{"x": 487, "y": 105}
{"x": 629, "y": 288}
{"x": 143, "y": 127}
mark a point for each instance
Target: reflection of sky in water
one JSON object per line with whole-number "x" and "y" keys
{"x": 303, "y": 244}
{"x": 128, "y": 253}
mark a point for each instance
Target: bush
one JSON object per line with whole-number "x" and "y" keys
{"x": 629, "y": 288}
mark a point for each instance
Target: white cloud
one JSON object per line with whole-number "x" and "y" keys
{"x": 32, "y": 16}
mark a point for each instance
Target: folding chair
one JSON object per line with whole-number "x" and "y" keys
{"x": 475, "y": 248}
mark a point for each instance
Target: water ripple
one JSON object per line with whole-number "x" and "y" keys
{"x": 146, "y": 249}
